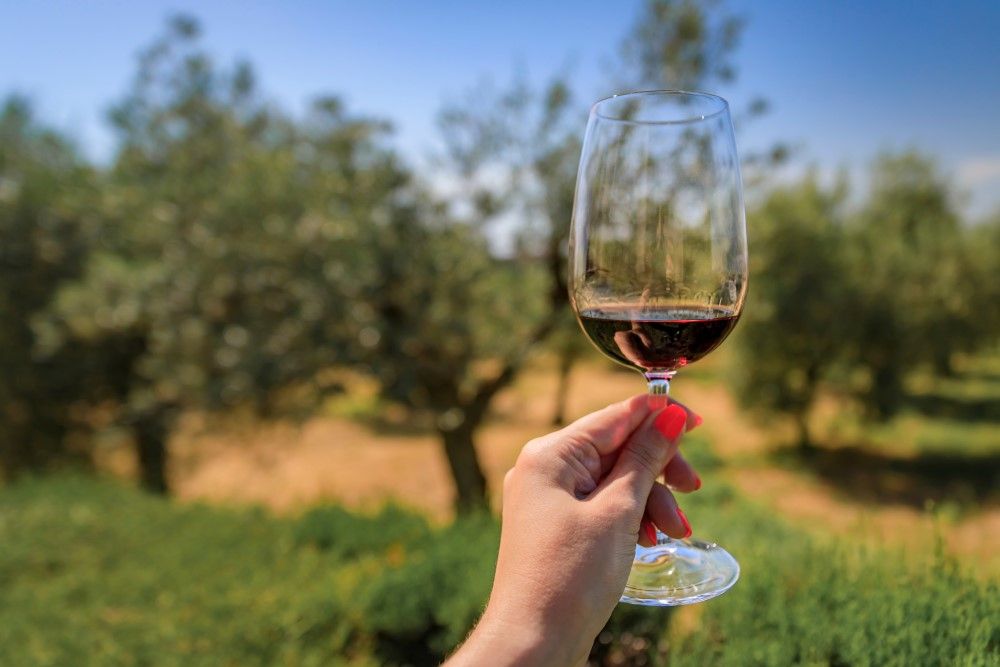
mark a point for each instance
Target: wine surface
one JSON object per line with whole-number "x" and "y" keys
{"x": 662, "y": 339}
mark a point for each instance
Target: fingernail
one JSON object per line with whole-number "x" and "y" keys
{"x": 697, "y": 482}
{"x": 685, "y": 522}
{"x": 650, "y": 530}
{"x": 671, "y": 422}
{"x": 698, "y": 421}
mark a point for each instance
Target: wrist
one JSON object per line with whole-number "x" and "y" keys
{"x": 499, "y": 639}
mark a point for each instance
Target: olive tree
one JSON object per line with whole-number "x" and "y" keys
{"x": 798, "y": 322}
{"x": 230, "y": 251}
{"x": 46, "y": 209}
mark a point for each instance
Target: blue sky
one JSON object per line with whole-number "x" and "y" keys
{"x": 847, "y": 79}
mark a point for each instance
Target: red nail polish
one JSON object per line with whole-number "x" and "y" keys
{"x": 698, "y": 421}
{"x": 685, "y": 522}
{"x": 697, "y": 482}
{"x": 650, "y": 531}
{"x": 671, "y": 422}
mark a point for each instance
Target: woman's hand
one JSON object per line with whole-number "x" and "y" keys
{"x": 573, "y": 509}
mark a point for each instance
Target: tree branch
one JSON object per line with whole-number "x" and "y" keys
{"x": 487, "y": 389}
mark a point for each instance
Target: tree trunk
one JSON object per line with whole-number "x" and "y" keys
{"x": 942, "y": 362}
{"x": 151, "y": 430}
{"x": 470, "y": 482}
{"x": 32, "y": 438}
{"x": 566, "y": 359}
{"x": 802, "y": 427}
{"x": 887, "y": 392}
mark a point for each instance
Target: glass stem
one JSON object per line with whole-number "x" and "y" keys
{"x": 659, "y": 386}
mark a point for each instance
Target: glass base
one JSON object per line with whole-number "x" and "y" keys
{"x": 676, "y": 572}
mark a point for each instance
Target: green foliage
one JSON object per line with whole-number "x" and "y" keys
{"x": 122, "y": 579}
{"x": 237, "y": 251}
{"x": 92, "y": 571}
{"x": 690, "y": 45}
{"x": 846, "y": 611}
{"x": 982, "y": 248}
{"x": 233, "y": 253}
{"x": 232, "y": 242}
{"x": 438, "y": 307}
{"x": 863, "y": 300}
{"x": 795, "y": 325}
{"x": 682, "y": 45}
{"x": 243, "y": 251}
{"x": 427, "y": 605}
{"x": 342, "y": 534}
{"x": 917, "y": 303}
{"x": 229, "y": 234}
{"x": 46, "y": 210}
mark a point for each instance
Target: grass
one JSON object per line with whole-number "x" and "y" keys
{"x": 957, "y": 415}
{"x": 95, "y": 573}
{"x": 942, "y": 449}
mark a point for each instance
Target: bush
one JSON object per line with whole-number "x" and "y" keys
{"x": 343, "y": 535}
{"x": 92, "y": 572}
{"x": 802, "y": 603}
{"x": 97, "y": 570}
{"x": 421, "y": 608}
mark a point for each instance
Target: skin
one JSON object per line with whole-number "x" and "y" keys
{"x": 574, "y": 506}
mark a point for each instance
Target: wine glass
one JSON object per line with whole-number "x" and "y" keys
{"x": 658, "y": 274}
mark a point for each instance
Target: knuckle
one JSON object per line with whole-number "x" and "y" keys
{"x": 532, "y": 456}
{"x": 588, "y": 461}
{"x": 586, "y": 447}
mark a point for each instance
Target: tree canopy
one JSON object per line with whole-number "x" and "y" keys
{"x": 233, "y": 252}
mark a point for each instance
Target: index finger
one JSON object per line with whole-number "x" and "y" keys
{"x": 611, "y": 427}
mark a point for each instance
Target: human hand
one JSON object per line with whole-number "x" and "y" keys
{"x": 634, "y": 344}
{"x": 573, "y": 510}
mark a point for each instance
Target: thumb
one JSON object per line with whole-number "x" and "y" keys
{"x": 643, "y": 457}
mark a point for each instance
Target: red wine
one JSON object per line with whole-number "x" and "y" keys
{"x": 664, "y": 338}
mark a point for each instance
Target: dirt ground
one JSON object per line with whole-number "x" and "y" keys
{"x": 287, "y": 467}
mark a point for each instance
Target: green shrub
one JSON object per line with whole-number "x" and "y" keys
{"x": 803, "y": 604}
{"x": 95, "y": 573}
{"x": 424, "y": 606}
{"x": 343, "y": 534}
{"x": 100, "y": 571}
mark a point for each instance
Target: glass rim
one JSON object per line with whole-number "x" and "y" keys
{"x": 723, "y": 106}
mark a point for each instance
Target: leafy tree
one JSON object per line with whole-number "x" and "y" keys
{"x": 916, "y": 305}
{"x": 681, "y": 45}
{"x": 569, "y": 345}
{"x": 230, "y": 250}
{"x": 240, "y": 250}
{"x": 899, "y": 284}
{"x": 690, "y": 45}
{"x": 46, "y": 196}
{"x": 446, "y": 326}
{"x": 514, "y": 154}
{"x": 531, "y": 140}
{"x": 982, "y": 248}
{"x": 798, "y": 317}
